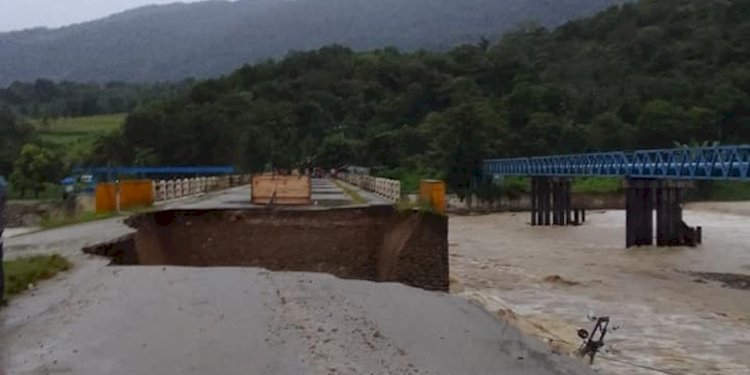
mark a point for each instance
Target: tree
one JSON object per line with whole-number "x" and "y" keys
{"x": 642, "y": 75}
{"x": 335, "y": 152}
{"x": 610, "y": 133}
{"x": 13, "y": 134}
{"x": 34, "y": 167}
{"x": 145, "y": 157}
{"x": 659, "y": 125}
{"x": 463, "y": 137}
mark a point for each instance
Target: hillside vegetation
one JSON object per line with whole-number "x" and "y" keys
{"x": 643, "y": 75}
{"x": 47, "y": 127}
{"x": 205, "y": 39}
{"x": 36, "y": 153}
{"x": 47, "y": 100}
{"x": 75, "y": 136}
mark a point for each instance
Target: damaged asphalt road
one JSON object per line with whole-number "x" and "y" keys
{"x": 99, "y": 319}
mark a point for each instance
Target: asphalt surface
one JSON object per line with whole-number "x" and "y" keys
{"x": 137, "y": 320}
{"x": 325, "y": 193}
{"x": 99, "y": 319}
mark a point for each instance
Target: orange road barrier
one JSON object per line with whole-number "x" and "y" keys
{"x": 133, "y": 193}
{"x": 432, "y": 193}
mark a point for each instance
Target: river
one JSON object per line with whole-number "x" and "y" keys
{"x": 548, "y": 279}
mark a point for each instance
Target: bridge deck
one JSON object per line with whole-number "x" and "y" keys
{"x": 700, "y": 163}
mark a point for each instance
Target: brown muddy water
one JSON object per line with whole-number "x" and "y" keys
{"x": 679, "y": 309}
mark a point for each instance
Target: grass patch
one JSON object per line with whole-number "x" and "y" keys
{"x": 596, "y": 185}
{"x": 21, "y": 272}
{"x": 76, "y": 135}
{"x": 719, "y": 191}
{"x": 51, "y": 192}
{"x": 410, "y": 182}
{"x": 356, "y": 197}
{"x": 81, "y": 125}
{"x": 85, "y": 217}
{"x": 406, "y": 205}
{"x": 515, "y": 186}
{"x": 410, "y": 179}
{"x": 730, "y": 191}
{"x": 49, "y": 222}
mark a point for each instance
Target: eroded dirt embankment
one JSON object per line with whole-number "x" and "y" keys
{"x": 370, "y": 243}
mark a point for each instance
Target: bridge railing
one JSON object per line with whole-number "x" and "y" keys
{"x": 384, "y": 187}
{"x": 166, "y": 190}
{"x": 700, "y": 163}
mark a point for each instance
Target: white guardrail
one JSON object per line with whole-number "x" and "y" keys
{"x": 384, "y": 187}
{"x": 165, "y": 190}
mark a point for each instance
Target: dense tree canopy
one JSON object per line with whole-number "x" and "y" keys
{"x": 47, "y": 100}
{"x": 640, "y": 75}
{"x": 13, "y": 134}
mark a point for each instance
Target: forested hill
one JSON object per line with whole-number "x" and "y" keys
{"x": 44, "y": 99}
{"x": 643, "y": 75}
{"x": 205, "y": 39}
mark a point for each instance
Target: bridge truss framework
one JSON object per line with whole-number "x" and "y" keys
{"x": 655, "y": 180}
{"x": 700, "y": 163}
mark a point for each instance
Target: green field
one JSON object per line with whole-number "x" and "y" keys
{"x": 76, "y": 135}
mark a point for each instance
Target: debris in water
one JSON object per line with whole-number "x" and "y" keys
{"x": 557, "y": 279}
{"x": 591, "y": 344}
{"x": 729, "y": 280}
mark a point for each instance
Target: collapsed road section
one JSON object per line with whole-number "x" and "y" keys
{"x": 377, "y": 243}
{"x": 199, "y": 319}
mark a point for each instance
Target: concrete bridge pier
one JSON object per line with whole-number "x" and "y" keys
{"x": 666, "y": 196}
{"x": 550, "y": 201}
{"x": 639, "y": 207}
{"x": 671, "y": 230}
{"x": 539, "y": 200}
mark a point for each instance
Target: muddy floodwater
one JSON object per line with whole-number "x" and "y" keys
{"x": 681, "y": 310}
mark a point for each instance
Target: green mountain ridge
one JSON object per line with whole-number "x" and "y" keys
{"x": 206, "y": 39}
{"x": 642, "y": 75}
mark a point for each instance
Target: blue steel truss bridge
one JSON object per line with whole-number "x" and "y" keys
{"x": 654, "y": 180}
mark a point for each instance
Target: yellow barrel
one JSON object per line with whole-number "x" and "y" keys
{"x": 432, "y": 192}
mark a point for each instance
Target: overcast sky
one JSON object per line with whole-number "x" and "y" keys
{"x": 23, "y": 14}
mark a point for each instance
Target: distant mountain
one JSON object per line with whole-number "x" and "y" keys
{"x": 171, "y": 42}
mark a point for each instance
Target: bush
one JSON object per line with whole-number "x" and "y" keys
{"x": 596, "y": 185}
{"x": 515, "y": 186}
{"x": 49, "y": 192}
{"x": 410, "y": 179}
{"x": 720, "y": 191}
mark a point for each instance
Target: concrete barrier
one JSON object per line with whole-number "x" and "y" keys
{"x": 384, "y": 187}
{"x": 166, "y": 190}
{"x": 185, "y": 187}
